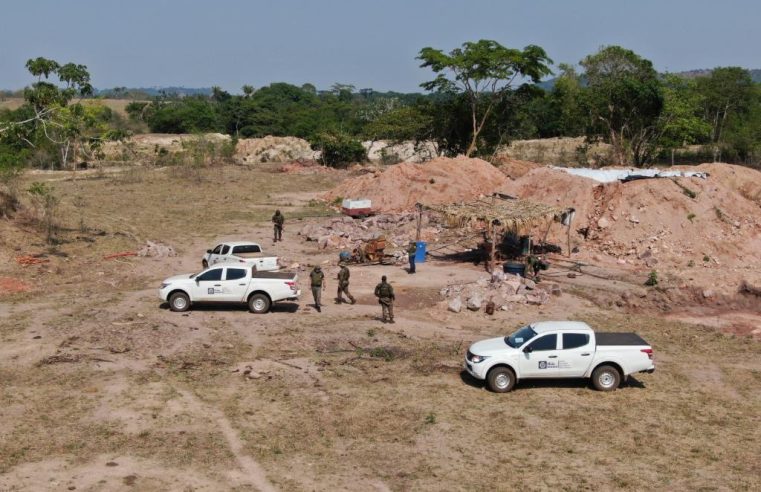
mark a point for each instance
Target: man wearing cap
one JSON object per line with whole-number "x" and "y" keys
{"x": 343, "y": 284}
{"x": 317, "y": 279}
{"x": 385, "y": 294}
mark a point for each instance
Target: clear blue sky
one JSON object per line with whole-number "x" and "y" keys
{"x": 369, "y": 44}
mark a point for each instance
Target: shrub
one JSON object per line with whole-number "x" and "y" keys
{"x": 652, "y": 279}
{"x": 339, "y": 149}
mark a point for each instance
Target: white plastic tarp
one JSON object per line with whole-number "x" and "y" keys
{"x": 354, "y": 204}
{"x": 612, "y": 175}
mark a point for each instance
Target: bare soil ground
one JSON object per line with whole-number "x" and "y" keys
{"x": 103, "y": 388}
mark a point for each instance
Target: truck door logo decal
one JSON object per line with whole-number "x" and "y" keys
{"x": 210, "y": 290}
{"x": 542, "y": 364}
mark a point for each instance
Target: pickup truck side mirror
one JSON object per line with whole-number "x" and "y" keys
{"x": 208, "y": 251}
{"x": 528, "y": 349}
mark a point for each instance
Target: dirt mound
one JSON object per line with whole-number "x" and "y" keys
{"x": 272, "y": 149}
{"x": 514, "y": 168}
{"x": 439, "y": 181}
{"x": 713, "y": 223}
{"x": 150, "y": 145}
{"x": 305, "y": 166}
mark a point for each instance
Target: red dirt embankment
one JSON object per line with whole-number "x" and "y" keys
{"x": 436, "y": 182}
{"x": 685, "y": 222}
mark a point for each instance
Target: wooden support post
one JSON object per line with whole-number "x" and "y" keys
{"x": 568, "y": 238}
{"x": 419, "y": 208}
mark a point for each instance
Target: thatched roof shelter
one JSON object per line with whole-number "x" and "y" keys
{"x": 503, "y": 212}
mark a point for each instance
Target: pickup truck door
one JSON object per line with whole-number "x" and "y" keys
{"x": 235, "y": 284}
{"x": 539, "y": 358}
{"x": 208, "y": 285}
{"x": 576, "y": 355}
{"x": 214, "y": 254}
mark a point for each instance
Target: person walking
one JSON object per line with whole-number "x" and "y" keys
{"x": 277, "y": 221}
{"x": 411, "y": 252}
{"x": 317, "y": 280}
{"x": 343, "y": 284}
{"x": 385, "y": 294}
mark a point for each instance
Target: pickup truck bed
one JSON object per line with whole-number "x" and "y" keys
{"x": 609, "y": 338}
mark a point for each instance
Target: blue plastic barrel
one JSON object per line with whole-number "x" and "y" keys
{"x": 514, "y": 267}
{"x": 420, "y": 252}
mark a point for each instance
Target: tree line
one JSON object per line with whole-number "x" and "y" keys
{"x": 482, "y": 96}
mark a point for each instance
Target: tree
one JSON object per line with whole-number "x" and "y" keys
{"x": 726, "y": 91}
{"x": 681, "y": 121}
{"x": 484, "y": 71}
{"x": 625, "y": 100}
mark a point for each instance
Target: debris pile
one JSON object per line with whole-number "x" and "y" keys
{"x": 149, "y": 145}
{"x": 440, "y": 181}
{"x": 156, "y": 250}
{"x": 272, "y": 149}
{"x": 503, "y": 290}
{"x": 347, "y": 233}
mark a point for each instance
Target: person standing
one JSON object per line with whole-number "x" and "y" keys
{"x": 411, "y": 252}
{"x": 343, "y": 284}
{"x": 385, "y": 294}
{"x": 277, "y": 221}
{"x": 317, "y": 280}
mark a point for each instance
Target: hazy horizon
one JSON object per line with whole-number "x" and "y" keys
{"x": 161, "y": 43}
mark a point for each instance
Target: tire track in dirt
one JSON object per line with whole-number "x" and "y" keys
{"x": 252, "y": 470}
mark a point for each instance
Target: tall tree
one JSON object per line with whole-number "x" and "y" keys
{"x": 726, "y": 91}
{"x": 625, "y": 100}
{"x": 484, "y": 71}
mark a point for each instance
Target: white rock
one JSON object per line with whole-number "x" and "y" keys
{"x": 474, "y": 302}
{"x": 455, "y": 305}
{"x": 603, "y": 223}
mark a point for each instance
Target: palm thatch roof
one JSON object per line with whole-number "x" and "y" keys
{"x": 506, "y": 213}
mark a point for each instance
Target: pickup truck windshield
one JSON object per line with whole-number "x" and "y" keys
{"x": 520, "y": 337}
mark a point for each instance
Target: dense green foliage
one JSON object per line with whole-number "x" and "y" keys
{"x": 483, "y": 96}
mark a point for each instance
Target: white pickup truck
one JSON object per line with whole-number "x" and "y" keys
{"x": 559, "y": 349}
{"x": 230, "y": 283}
{"x": 244, "y": 252}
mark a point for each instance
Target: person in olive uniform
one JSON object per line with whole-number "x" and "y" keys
{"x": 411, "y": 250}
{"x": 277, "y": 221}
{"x": 317, "y": 279}
{"x": 343, "y": 284}
{"x": 385, "y": 294}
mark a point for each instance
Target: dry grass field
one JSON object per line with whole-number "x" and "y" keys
{"x": 103, "y": 388}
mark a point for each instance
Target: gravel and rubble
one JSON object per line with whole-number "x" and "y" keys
{"x": 500, "y": 288}
{"x": 346, "y": 233}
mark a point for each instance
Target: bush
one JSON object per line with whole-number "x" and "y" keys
{"x": 339, "y": 149}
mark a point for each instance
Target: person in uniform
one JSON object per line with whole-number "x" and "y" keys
{"x": 317, "y": 279}
{"x": 385, "y": 294}
{"x": 343, "y": 284}
{"x": 411, "y": 251}
{"x": 277, "y": 221}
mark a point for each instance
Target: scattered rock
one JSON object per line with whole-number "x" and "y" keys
{"x": 474, "y": 302}
{"x": 708, "y": 293}
{"x": 455, "y": 305}
{"x": 603, "y": 223}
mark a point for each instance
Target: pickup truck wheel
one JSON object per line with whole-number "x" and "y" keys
{"x": 501, "y": 379}
{"x": 606, "y": 378}
{"x": 258, "y": 303}
{"x": 179, "y": 302}
{"x": 205, "y": 264}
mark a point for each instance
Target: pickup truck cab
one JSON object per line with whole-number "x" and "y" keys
{"x": 245, "y": 252}
{"x": 230, "y": 283}
{"x": 559, "y": 349}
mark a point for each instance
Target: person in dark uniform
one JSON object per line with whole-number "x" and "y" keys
{"x": 385, "y": 294}
{"x": 277, "y": 221}
{"x": 343, "y": 284}
{"x": 317, "y": 280}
